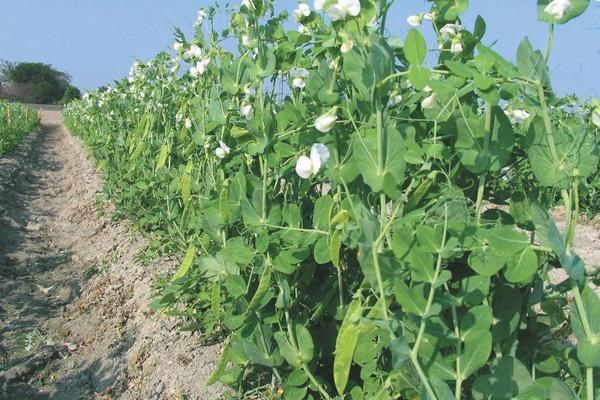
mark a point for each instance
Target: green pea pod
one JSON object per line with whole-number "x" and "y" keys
{"x": 221, "y": 364}
{"x": 345, "y": 345}
{"x": 224, "y": 201}
{"x": 263, "y": 286}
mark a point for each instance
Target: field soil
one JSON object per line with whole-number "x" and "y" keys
{"x": 74, "y": 316}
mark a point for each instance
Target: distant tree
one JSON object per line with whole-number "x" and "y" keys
{"x": 33, "y": 82}
{"x": 72, "y": 93}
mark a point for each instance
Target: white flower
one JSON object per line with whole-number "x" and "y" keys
{"x": 456, "y": 47}
{"x": 299, "y": 74}
{"x": 248, "y": 4}
{"x": 414, "y": 20}
{"x": 429, "y": 102}
{"x": 194, "y": 52}
{"x": 222, "y": 150}
{"x": 395, "y": 98}
{"x": 303, "y": 29}
{"x": 188, "y": 123}
{"x": 518, "y": 116}
{"x": 247, "y": 110}
{"x": 307, "y": 167}
{"x": 557, "y": 8}
{"x": 596, "y": 116}
{"x": 343, "y": 8}
{"x": 246, "y": 39}
{"x": 302, "y": 11}
{"x": 347, "y": 45}
{"x": 200, "y": 67}
{"x": 326, "y": 122}
{"x": 429, "y": 16}
{"x": 178, "y": 46}
{"x": 448, "y": 31}
{"x": 318, "y": 5}
{"x": 201, "y": 17}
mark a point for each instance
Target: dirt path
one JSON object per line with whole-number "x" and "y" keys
{"x": 74, "y": 321}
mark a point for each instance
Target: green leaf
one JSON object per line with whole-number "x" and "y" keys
{"x": 418, "y": 76}
{"x": 588, "y": 347}
{"x": 474, "y": 289}
{"x": 550, "y": 236}
{"x": 508, "y": 378}
{"x": 486, "y": 262}
{"x": 305, "y": 343}
{"x": 477, "y": 349}
{"x": 321, "y": 251}
{"x": 186, "y": 263}
{"x": 415, "y": 47}
{"x": 531, "y": 63}
{"x": 522, "y": 266}
{"x": 575, "y": 9}
{"x": 476, "y": 320}
{"x": 236, "y": 286}
{"x": 506, "y": 305}
{"x": 359, "y": 72}
{"x": 345, "y": 346}
{"x": 410, "y": 299}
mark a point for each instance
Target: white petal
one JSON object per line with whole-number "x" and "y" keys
{"x": 414, "y": 20}
{"x": 456, "y": 47}
{"x": 351, "y": 7}
{"x": 224, "y": 147}
{"x": 347, "y": 46}
{"x": 220, "y": 152}
{"x": 304, "y": 167}
{"x": 336, "y": 13}
{"x": 319, "y": 155}
{"x": 429, "y": 102}
{"x": 318, "y": 5}
{"x": 298, "y": 83}
{"x": 325, "y": 122}
{"x": 557, "y": 8}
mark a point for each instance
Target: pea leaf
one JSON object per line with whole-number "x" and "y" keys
{"x": 477, "y": 349}
{"x": 415, "y": 48}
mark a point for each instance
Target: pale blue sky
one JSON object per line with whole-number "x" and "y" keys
{"x": 96, "y": 41}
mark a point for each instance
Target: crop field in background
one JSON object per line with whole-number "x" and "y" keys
{"x": 352, "y": 221}
{"x": 16, "y": 120}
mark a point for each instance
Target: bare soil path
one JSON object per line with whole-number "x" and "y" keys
{"x": 74, "y": 320}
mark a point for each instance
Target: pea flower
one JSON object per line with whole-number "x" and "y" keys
{"x": 456, "y": 46}
{"x": 246, "y": 39}
{"x": 302, "y": 11}
{"x": 194, "y": 52}
{"x": 200, "y": 67}
{"x": 429, "y": 102}
{"x": 201, "y": 17}
{"x": 414, "y": 20}
{"x": 449, "y": 31}
{"x": 326, "y": 122}
{"x": 222, "y": 150}
{"x": 178, "y": 46}
{"x": 187, "y": 123}
{"x": 299, "y": 74}
{"x": 248, "y": 4}
{"x": 347, "y": 45}
{"x": 429, "y": 16}
{"x": 247, "y": 110}
{"x": 307, "y": 167}
{"x": 395, "y": 98}
{"x": 303, "y": 29}
{"x": 557, "y": 8}
{"x": 596, "y": 116}
{"x": 518, "y": 116}
{"x": 343, "y": 8}
{"x": 318, "y": 5}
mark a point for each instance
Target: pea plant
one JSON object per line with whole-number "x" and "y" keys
{"x": 329, "y": 191}
{"x": 16, "y": 120}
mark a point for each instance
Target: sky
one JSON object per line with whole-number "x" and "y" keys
{"x": 96, "y": 41}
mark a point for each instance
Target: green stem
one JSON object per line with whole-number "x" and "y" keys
{"x": 575, "y": 214}
{"x": 415, "y": 350}
{"x": 589, "y": 382}
{"x": 486, "y": 146}
{"x": 549, "y": 44}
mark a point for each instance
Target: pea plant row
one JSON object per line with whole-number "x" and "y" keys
{"x": 16, "y": 120}
{"x": 329, "y": 190}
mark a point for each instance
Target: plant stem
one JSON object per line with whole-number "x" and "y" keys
{"x": 486, "y": 146}
{"x": 549, "y": 43}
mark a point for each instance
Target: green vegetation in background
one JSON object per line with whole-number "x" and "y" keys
{"x": 326, "y": 189}
{"x": 16, "y": 120}
{"x": 37, "y": 83}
